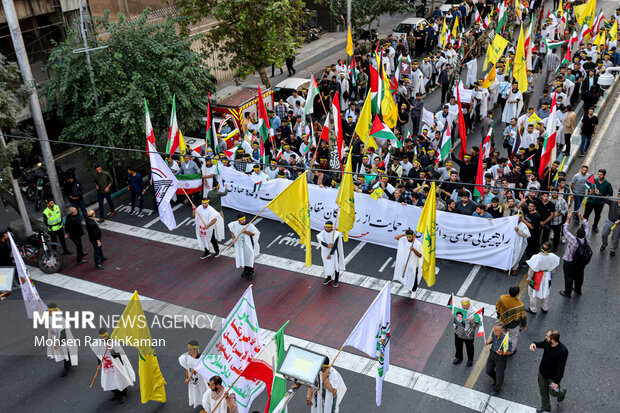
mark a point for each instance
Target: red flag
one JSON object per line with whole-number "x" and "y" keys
{"x": 374, "y": 79}
{"x": 325, "y": 132}
{"x": 261, "y": 368}
{"x": 462, "y": 126}
{"x": 337, "y": 123}
{"x": 550, "y": 138}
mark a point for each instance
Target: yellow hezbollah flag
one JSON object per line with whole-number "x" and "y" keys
{"x": 346, "y": 200}
{"x": 182, "y": 144}
{"x": 455, "y": 27}
{"x": 364, "y": 123}
{"x": 600, "y": 40}
{"x": 495, "y": 51}
{"x": 584, "y": 13}
{"x": 389, "y": 110}
{"x": 442, "y": 37}
{"x": 613, "y": 32}
{"x": 489, "y": 78}
{"x": 293, "y": 207}
{"x": 426, "y": 226}
{"x": 133, "y": 330}
{"x": 377, "y": 193}
{"x": 349, "y": 42}
{"x": 520, "y": 69}
{"x": 534, "y": 119}
{"x": 505, "y": 342}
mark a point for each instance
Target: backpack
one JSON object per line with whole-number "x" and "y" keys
{"x": 583, "y": 253}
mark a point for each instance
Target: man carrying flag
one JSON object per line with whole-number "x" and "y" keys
{"x": 408, "y": 268}
{"x": 501, "y": 348}
{"x": 330, "y": 393}
{"x": 245, "y": 238}
{"x": 539, "y": 275}
{"x": 346, "y": 200}
{"x": 117, "y": 374}
{"x": 218, "y": 398}
{"x": 332, "y": 253}
{"x": 209, "y": 228}
{"x": 427, "y": 226}
{"x": 465, "y": 332}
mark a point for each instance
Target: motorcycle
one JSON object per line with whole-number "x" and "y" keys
{"x": 38, "y": 248}
{"x": 362, "y": 34}
{"x": 43, "y": 188}
{"x": 421, "y": 10}
{"x": 314, "y": 33}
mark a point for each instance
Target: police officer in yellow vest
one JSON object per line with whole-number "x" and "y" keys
{"x": 52, "y": 218}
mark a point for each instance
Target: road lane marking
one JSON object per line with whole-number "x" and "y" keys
{"x": 400, "y": 376}
{"x": 353, "y": 253}
{"x": 360, "y": 280}
{"x": 470, "y": 278}
{"x": 156, "y": 220}
{"x": 274, "y": 241}
{"x": 385, "y": 264}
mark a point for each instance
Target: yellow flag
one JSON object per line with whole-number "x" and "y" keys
{"x": 560, "y": 11}
{"x": 364, "y": 123}
{"x": 427, "y": 226}
{"x": 389, "y": 110}
{"x": 182, "y": 144}
{"x": 613, "y": 32}
{"x": 444, "y": 30}
{"x": 489, "y": 78}
{"x": 584, "y": 13}
{"x": 349, "y": 42}
{"x": 534, "y": 119}
{"x": 520, "y": 69}
{"x": 293, "y": 207}
{"x": 455, "y": 27}
{"x": 133, "y": 330}
{"x": 377, "y": 193}
{"x": 600, "y": 40}
{"x": 495, "y": 51}
{"x": 505, "y": 342}
{"x": 346, "y": 200}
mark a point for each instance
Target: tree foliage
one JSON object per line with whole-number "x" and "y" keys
{"x": 250, "y": 34}
{"x": 365, "y": 12}
{"x": 142, "y": 60}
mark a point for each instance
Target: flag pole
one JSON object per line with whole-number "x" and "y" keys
{"x": 190, "y": 200}
{"x": 49, "y": 330}
{"x": 247, "y": 225}
{"x": 329, "y": 367}
{"x": 99, "y": 367}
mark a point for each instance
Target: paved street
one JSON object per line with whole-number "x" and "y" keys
{"x": 164, "y": 267}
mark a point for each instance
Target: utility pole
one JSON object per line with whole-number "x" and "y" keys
{"x": 35, "y": 107}
{"x": 18, "y": 195}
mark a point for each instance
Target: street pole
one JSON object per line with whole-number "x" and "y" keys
{"x": 90, "y": 66}
{"x": 35, "y": 107}
{"x": 18, "y": 195}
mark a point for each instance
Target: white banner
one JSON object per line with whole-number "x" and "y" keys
{"x": 459, "y": 238}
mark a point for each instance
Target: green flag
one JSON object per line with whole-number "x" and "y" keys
{"x": 278, "y": 390}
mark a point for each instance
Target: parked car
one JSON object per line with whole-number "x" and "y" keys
{"x": 407, "y": 25}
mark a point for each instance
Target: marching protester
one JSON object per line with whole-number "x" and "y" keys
{"x": 465, "y": 334}
{"x": 196, "y": 386}
{"x": 245, "y": 238}
{"x": 511, "y": 314}
{"x": 501, "y": 347}
{"x": 217, "y": 395}
{"x": 62, "y": 347}
{"x": 209, "y": 228}
{"x": 117, "y": 374}
{"x": 551, "y": 369}
{"x": 332, "y": 253}
{"x": 576, "y": 256}
{"x": 331, "y": 390}
{"x": 408, "y": 264}
{"x": 541, "y": 269}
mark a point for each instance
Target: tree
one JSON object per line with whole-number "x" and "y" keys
{"x": 142, "y": 60}
{"x": 250, "y": 34}
{"x": 365, "y": 12}
{"x": 13, "y": 97}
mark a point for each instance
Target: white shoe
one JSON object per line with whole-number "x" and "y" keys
{"x": 563, "y": 240}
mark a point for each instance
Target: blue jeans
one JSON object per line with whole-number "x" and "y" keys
{"x": 98, "y": 253}
{"x": 585, "y": 143}
{"x": 577, "y": 200}
{"x": 107, "y": 197}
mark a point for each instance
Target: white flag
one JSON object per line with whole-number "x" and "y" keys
{"x": 231, "y": 350}
{"x": 32, "y": 301}
{"x": 372, "y": 335}
{"x": 165, "y": 186}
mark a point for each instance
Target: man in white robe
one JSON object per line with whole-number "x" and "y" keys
{"x": 218, "y": 394}
{"x": 117, "y": 374}
{"x": 258, "y": 175}
{"x": 514, "y": 103}
{"x": 196, "y": 386}
{"x": 330, "y": 393}
{"x": 523, "y": 233}
{"x": 541, "y": 266}
{"x": 62, "y": 347}
{"x": 408, "y": 268}
{"x": 246, "y": 244}
{"x": 332, "y": 253}
{"x": 209, "y": 228}
{"x": 209, "y": 174}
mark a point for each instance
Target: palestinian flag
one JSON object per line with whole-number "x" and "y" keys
{"x": 211, "y": 135}
{"x": 502, "y": 17}
{"x": 313, "y": 91}
{"x": 380, "y": 131}
{"x": 589, "y": 185}
{"x": 353, "y": 72}
{"x": 264, "y": 130}
{"x": 446, "y": 145}
{"x": 529, "y": 161}
{"x": 191, "y": 183}
{"x": 172, "y": 145}
{"x": 567, "y": 59}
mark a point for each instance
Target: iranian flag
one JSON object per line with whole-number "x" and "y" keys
{"x": 549, "y": 147}
{"x": 585, "y": 31}
{"x": 190, "y": 183}
{"x": 597, "y": 21}
{"x": 211, "y": 135}
{"x": 529, "y": 46}
{"x": 150, "y": 135}
{"x": 446, "y": 145}
{"x": 479, "y": 188}
{"x": 264, "y": 130}
{"x": 461, "y": 126}
{"x": 262, "y": 368}
{"x": 477, "y": 317}
{"x": 325, "y": 132}
{"x": 172, "y": 144}
{"x": 313, "y": 91}
{"x": 381, "y": 132}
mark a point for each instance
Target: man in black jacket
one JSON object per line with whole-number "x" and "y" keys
{"x": 94, "y": 236}
{"x": 551, "y": 369}
{"x": 74, "y": 231}
{"x": 75, "y": 193}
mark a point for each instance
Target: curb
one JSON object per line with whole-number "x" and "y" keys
{"x": 575, "y": 139}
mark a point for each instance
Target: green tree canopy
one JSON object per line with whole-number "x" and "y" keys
{"x": 142, "y": 60}
{"x": 365, "y": 12}
{"x": 250, "y": 34}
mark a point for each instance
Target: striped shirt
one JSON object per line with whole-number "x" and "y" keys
{"x": 571, "y": 240}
